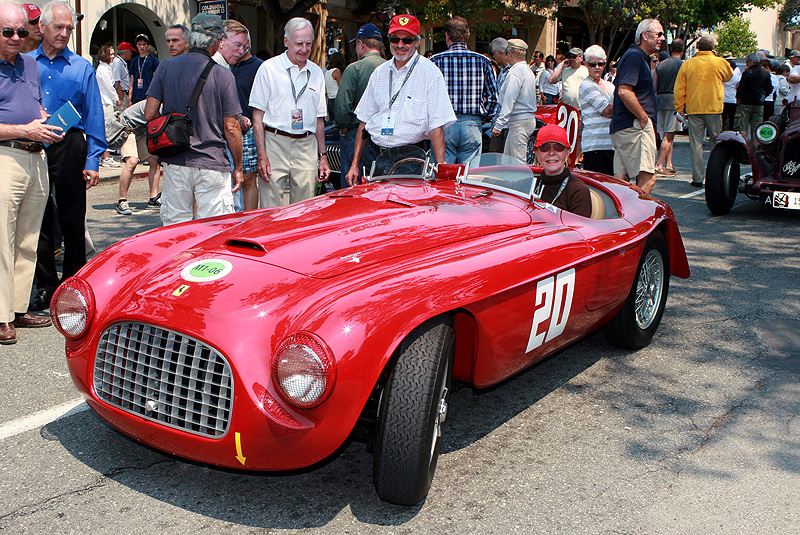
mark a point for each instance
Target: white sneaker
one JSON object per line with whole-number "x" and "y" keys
{"x": 109, "y": 162}
{"x": 123, "y": 208}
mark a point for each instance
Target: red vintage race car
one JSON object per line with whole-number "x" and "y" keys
{"x": 263, "y": 340}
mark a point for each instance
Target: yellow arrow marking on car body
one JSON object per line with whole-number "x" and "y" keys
{"x": 239, "y": 456}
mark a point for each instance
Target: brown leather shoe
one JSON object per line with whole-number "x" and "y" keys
{"x": 29, "y": 320}
{"x": 8, "y": 335}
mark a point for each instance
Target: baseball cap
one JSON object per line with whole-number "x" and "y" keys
{"x": 124, "y": 45}
{"x": 518, "y": 43}
{"x": 207, "y": 24}
{"x": 552, "y": 133}
{"x": 408, "y": 23}
{"x": 33, "y": 12}
{"x": 575, "y": 52}
{"x": 332, "y": 51}
{"x": 368, "y": 31}
{"x": 794, "y": 54}
{"x": 142, "y": 37}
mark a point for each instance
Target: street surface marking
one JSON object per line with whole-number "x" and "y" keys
{"x": 41, "y": 418}
{"x": 692, "y": 194}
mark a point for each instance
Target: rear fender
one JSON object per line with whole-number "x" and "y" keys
{"x": 745, "y": 152}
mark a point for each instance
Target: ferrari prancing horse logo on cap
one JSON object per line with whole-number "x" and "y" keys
{"x": 403, "y": 21}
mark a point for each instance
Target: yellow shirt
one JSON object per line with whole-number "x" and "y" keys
{"x": 699, "y": 84}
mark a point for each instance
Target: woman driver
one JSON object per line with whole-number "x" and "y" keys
{"x": 557, "y": 185}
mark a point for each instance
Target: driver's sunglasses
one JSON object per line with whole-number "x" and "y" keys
{"x": 8, "y": 33}
{"x": 659, "y": 34}
{"x": 555, "y": 147}
{"x": 597, "y": 64}
{"x": 406, "y": 40}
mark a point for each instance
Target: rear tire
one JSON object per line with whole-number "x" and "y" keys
{"x": 413, "y": 412}
{"x": 637, "y": 321}
{"x": 722, "y": 180}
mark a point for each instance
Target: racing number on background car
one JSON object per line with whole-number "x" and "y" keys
{"x": 554, "y": 302}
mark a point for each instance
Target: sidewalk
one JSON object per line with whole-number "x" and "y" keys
{"x": 108, "y": 174}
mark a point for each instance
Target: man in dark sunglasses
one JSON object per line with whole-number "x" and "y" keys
{"x": 406, "y": 100}
{"x": 34, "y": 37}
{"x": 632, "y": 128}
{"x": 23, "y": 188}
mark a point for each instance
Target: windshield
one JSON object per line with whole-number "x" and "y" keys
{"x": 501, "y": 172}
{"x": 408, "y": 160}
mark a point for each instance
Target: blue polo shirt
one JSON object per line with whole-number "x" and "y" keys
{"x": 634, "y": 70}
{"x": 245, "y": 72}
{"x": 20, "y": 91}
{"x": 69, "y": 77}
{"x": 144, "y": 68}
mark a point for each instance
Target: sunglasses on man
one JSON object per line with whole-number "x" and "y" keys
{"x": 406, "y": 40}
{"x": 8, "y": 33}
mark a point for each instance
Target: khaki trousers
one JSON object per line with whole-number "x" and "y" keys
{"x": 292, "y": 161}
{"x": 698, "y": 124}
{"x": 23, "y": 195}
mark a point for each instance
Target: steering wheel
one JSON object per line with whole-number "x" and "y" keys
{"x": 405, "y": 160}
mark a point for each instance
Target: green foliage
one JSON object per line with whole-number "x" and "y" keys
{"x": 736, "y": 37}
{"x": 790, "y": 14}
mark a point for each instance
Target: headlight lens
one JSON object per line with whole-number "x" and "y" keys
{"x": 766, "y": 132}
{"x": 304, "y": 370}
{"x": 72, "y": 307}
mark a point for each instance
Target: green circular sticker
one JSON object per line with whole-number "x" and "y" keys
{"x": 766, "y": 133}
{"x": 207, "y": 270}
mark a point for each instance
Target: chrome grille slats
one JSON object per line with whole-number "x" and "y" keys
{"x": 165, "y": 377}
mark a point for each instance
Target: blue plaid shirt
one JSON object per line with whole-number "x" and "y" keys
{"x": 470, "y": 80}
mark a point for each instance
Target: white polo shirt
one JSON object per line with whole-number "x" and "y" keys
{"x": 794, "y": 89}
{"x": 272, "y": 94}
{"x": 421, "y": 105}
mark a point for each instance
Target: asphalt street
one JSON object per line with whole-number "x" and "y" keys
{"x": 696, "y": 433}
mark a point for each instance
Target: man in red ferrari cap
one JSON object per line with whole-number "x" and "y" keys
{"x": 557, "y": 185}
{"x": 406, "y": 100}
{"x": 122, "y": 77}
{"x": 34, "y": 38}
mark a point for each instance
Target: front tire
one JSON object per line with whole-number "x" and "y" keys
{"x": 637, "y": 321}
{"x": 722, "y": 180}
{"x": 413, "y": 412}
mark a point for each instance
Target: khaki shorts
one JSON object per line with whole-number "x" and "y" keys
{"x": 634, "y": 150}
{"x": 135, "y": 146}
{"x": 667, "y": 121}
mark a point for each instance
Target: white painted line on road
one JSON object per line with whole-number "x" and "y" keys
{"x": 41, "y": 418}
{"x": 692, "y": 194}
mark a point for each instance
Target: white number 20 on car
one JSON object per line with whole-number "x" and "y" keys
{"x": 554, "y": 301}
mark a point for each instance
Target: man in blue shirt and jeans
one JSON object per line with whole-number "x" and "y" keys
{"x": 472, "y": 88}
{"x": 632, "y": 128}
{"x": 74, "y": 161}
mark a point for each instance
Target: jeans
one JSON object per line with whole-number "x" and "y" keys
{"x": 462, "y": 139}
{"x": 347, "y": 147}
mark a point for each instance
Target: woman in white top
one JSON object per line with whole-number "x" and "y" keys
{"x": 333, "y": 76}
{"x": 729, "y": 100}
{"x": 783, "y": 88}
{"x": 108, "y": 93}
{"x": 518, "y": 102}
{"x": 596, "y": 97}
{"x": 549, "y": 91}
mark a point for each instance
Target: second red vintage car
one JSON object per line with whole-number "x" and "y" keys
{"x": 264, "y": 340}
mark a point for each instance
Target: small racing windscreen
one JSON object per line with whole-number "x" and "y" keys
{"x": 500, "y": 172}
{"x": 408, "y": 160}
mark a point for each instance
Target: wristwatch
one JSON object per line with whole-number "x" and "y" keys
{"x": 321, "y": 154}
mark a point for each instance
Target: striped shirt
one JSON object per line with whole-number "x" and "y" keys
{"x": 470, "y": 80}
{"x": 595, "y": 127}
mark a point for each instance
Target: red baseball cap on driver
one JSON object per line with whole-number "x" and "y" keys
{"x": 408, "y": 23}
{"x": 552, "y": 133}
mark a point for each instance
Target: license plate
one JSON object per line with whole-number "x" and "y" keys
{"x": 785, "y": 199}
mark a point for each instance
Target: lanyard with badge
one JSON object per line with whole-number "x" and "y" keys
{"x": 297, "y": 113}
{"x": 387, "y": 128}
{"x": 141, "y": 63}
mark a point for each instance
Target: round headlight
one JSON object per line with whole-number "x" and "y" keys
{"x": 304, "y": 370}
{"x": 72, "y": 307}
{"x": 767, "y": 132}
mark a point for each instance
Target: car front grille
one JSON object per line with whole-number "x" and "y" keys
{"x": 165, "y": 377}
{"x": 333, "y": 158}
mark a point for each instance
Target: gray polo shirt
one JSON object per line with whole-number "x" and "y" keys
{"x": 173, "y": 83}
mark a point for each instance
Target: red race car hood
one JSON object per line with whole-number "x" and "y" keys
{"x": 331, "y": 235}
